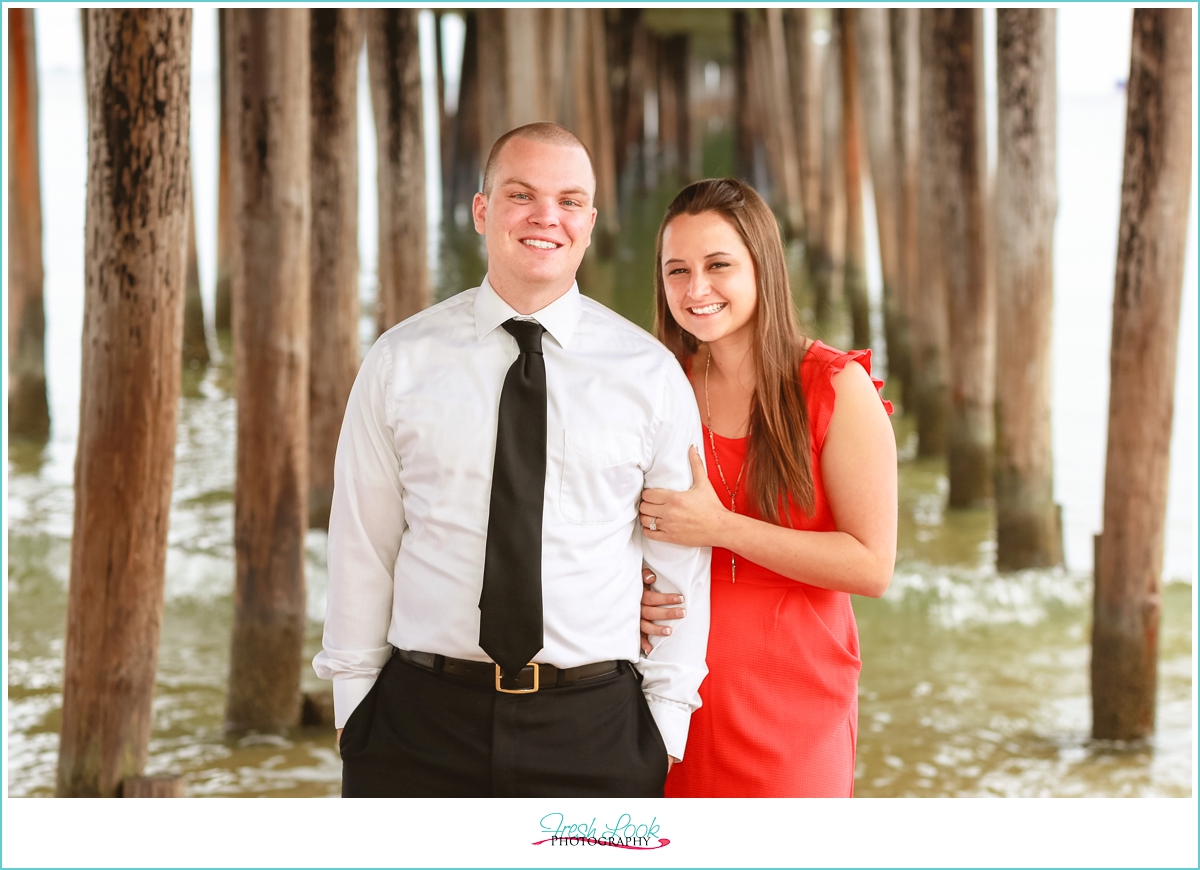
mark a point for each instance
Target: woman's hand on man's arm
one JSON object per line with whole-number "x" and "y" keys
{"x": 657, "y": 606}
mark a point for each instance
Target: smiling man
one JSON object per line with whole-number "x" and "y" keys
{"x": 484, "y": 546}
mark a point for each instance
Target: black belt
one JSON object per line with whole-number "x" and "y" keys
{"x": 531, "y": 678}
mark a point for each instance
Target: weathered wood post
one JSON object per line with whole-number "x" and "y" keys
{"x": 622, "y": 27}
{"x": 1027, "y": 528}
{"x": 138, "y": 199}
{"x": 465, "y": 157}
{"x": 28, "y": 408}
{"x": 875, "y": 74}
{"x": 830, "y": 256}
{"x": 805, "y": 74}
{"x": 929, "y": 328}
{"x": 526, "y": 88}
{"x": 674, "y": 110}
{"x": 905, "y": 36}
{"x": 668, "y": 123}
{"x": 783, "y": 123}
{"x": 152, "y": 787}
{"x": 1150, "y": 259}
{"x": 632, "y": 142}
{"x": 603, "y": 142}
{"x": 195, "y": 342}
{"x": 743, "y": 103}
{"x": 269, "y": 61}
{"x": 333, "y": 346}
{"x": 445, "y": 118}
{"x": 855, "y": 268}
{"x": 769, "y": 177}
{"x": 556, "y": 80}
{"x": 959, "y": 104}
{"x": 493, "y": 86}
{"x": 395, "y": 65}
{"x": 223, "y": 305}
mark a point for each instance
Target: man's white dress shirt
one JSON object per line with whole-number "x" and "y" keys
{"x": 412, "y": 489}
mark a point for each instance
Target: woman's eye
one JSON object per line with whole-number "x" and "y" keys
{"x": 678, "y": 271}
{"x": 717, "y": 265}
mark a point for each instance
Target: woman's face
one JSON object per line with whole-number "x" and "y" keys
{"x": 709, "y": 277}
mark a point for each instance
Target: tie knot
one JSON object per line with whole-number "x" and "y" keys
{"x": 528, "y": 334}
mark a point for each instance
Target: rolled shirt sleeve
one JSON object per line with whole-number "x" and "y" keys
{"x": 675, "y": 667}
{"x": 366, "y": 524}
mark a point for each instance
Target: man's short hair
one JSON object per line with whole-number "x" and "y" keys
{"x": 539, "y": 131}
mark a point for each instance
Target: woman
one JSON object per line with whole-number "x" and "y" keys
{"x": 798, "y": 504}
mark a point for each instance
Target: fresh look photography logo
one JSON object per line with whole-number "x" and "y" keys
{"x": 624, "y": 833}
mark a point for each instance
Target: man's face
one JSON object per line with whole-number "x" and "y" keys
{"x": 538, "y": 220}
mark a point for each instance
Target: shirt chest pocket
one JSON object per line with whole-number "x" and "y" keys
{"x": 602, "y": 482}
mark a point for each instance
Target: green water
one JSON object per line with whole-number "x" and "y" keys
{"x": 973, "y": 683}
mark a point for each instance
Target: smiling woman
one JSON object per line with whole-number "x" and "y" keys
{"x": 798, "y": 504}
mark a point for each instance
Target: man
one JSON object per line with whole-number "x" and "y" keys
{"x": 484, "y": 550}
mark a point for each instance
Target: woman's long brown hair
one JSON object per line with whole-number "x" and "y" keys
{"x": 780, "y": 453}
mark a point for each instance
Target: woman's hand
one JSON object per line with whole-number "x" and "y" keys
{"x": 694, "y": 517}
{"x": 655, "y": 606}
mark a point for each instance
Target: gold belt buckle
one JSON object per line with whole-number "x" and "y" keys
{"x": 519, "y": 691}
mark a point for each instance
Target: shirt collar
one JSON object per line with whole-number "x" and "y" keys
{"x": 560, "y": 317}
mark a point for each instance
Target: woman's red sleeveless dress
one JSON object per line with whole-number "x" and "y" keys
{"x": 780, "y": 702}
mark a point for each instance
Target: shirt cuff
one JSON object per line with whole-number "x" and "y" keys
{"x": 672, "y": 721}
{"x": 348, "y": 694}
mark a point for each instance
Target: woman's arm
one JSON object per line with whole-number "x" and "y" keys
{"x": 858, "y": 469}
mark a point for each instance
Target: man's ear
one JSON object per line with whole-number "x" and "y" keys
{"x": 479, "y": 212}
{"x": 591, "y": 229}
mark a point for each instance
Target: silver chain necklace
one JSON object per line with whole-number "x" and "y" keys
{"x": 713, "y": 443}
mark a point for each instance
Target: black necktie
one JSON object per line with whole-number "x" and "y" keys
{"x": 510, "y": 606}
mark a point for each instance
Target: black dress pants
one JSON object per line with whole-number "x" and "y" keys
{"x": 418, "y": 734}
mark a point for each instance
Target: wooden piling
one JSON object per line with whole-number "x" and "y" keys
{"x": 929, "y": 325}
{"x": 138, "y": 200}
{"x": 395, "y": 68}
{"x": 743, "y": 103}
{"x": 223, "y": 305}
{"x": 875, "y": 76}
{"x": 769, "y": 177}
{"x": 783, "y": 123}
{"x": 556, "y": 81}
{"x": 668, "y": 107}
{"x": 524, "y": 57}
{"x": 855, "y": 268}
{"x": 962, "y": 166}
{"x": 333, "y": 346}
{"x": 465, "y": 159}
{"x": 152, "y": 787}
{"x": 805, "y": 80}
{"x": 829, "y": 257}
{"x": 445, "y": 118}
{"x": 622, "y": 27}
{"x": 905, "y": 35}
{"x": 28, "y": 408}
{"x": 493, "y": 87}
{"x": 1027, "y": 530}
{"x": 195, "y": 342}
{"x": 270, "y": 142}
{"x": 578, "y": 115}
{"x": 608, "y": 221}
{"x": 1151, "y": 248}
